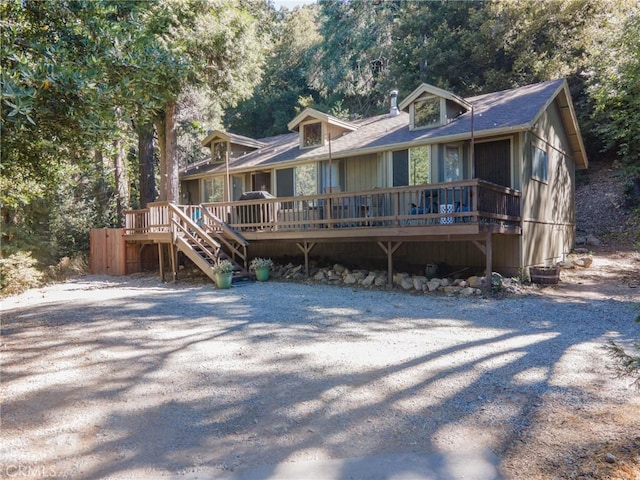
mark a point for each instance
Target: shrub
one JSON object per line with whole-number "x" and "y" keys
{"x": 18, "y": 273}
{"x": 626, "y": 365}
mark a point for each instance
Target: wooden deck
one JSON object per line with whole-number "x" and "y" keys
{"x": 471, "y": 210}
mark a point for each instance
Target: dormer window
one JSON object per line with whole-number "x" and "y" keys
{"x": 219, "y": 152}
{"x": 429, "y": 106}
{"x": 312, "y": 135}
{"x": 427, "y": 113}
{"x": 315, "y": 127}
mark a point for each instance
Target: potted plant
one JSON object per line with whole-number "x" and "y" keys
{"x": 223, "y": 270}
{"x": 261, "y": 266}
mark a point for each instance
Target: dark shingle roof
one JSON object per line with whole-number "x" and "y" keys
{"x": 508, "y": 110}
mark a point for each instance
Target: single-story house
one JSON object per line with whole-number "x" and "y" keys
{"x": 485, "y": 182}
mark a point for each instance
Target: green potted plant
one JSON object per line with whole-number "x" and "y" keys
{"x": 223, "y": 271}
{"x": 261, "y": 267}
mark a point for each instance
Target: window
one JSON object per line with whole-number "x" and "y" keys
{"x": 312, "y": 135}
{"x": 419, "y": 166}
{"x": 400, "y": 160}
{"x": 453, "y": 168}
{"x": 284, "y": 182}
{"x": 539, "y": 164}
{"x": 237, "y": 186}
{"x": 219, "y": 152}
{"x": 427, "y": 113}
{"x": 213, "y": 189}
{"x": 306, "y": 178}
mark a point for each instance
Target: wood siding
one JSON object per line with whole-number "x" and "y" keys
{"x": 362, "y": 173}
{"x": 107, "y": 251}
{"x": 548, "y": 206}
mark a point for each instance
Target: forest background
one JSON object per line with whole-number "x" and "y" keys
{"x": 103, "y": 101}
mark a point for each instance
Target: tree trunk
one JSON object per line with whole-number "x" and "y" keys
{"x": 171, "y": 142}
{"x": 168, "y": 141}
{"x": 122, "y": 181}
{"x": 162, "y": 146}
{"x": 146, "y": 165}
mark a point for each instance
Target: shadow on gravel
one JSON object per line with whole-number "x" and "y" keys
{"x": 191, "y": 378}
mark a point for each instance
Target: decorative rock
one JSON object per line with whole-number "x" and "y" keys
{"x": 475, "y": 282}
{"x": 593, "y": 240}
{"x": 398, "y": 277}
{"x": 452, "y": 289}
{"x": 565, "y": 265}
{"x": 581, "y": 240}
{"x": 320, "y": 276}
{"x": 444, "y": 282}
{"x": 419, "y": 282}
{"x": 406, "y": 283}
{"x": 360, "y": 274}
{"x": 367, "y": 282}
{"x": 295, "y": 270}
{"x": 433, "y": 285}
{"x": 350, "y": 279}
{"x": 467, "y": 291}
{"x": 339, "y": 268}
{"x": 380, "y": 281}
{"x": 610, "y": 458}
{"x": 584, "y": 262}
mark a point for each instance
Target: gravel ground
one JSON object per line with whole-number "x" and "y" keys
{"x": 106, "y": 377}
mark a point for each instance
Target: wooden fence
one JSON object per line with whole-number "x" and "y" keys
{"x": 108, "y": 253}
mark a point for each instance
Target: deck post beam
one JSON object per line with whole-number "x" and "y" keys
{"x": 390, "y": 248}
{"x": 306, "y": 247}
{"x": 487, "y": 250}
{"x": 489, "y": 258}
{"x": 173, "y": 250}
{"x": 160, "y": 261}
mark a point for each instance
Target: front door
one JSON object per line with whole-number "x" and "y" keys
{"x": 492, "y": 162}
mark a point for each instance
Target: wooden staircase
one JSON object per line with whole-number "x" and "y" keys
{"x": 207, "y": 240}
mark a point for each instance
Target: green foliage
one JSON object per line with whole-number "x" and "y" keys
{"x": 258, "y": 263}
{"x": 626, "y": 365}
{"x": 223, "y": 266}
{"x": 615, "y": 88}
{"x": 274, "y": 100}
{"x": 18, "y": 273}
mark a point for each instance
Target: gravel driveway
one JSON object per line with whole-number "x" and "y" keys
{"x": 106, "y": 377}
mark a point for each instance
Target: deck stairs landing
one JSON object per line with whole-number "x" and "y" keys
{"x": 207, "y": 240}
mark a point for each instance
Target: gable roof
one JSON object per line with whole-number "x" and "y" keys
{"x": 311, "y": 113}
{"x": 496, "y": 113}
{"x": 231, "y": 138}
{"x": 425, "y": 88}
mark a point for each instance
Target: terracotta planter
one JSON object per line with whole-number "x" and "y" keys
{"x": 545, "y": 275}
{"x": 223, "y": 280}
{"x": 262, "y": 274}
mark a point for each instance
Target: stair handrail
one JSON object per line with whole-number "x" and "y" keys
{"x": 210, "y": 246}
{"x": 228, "y": 231}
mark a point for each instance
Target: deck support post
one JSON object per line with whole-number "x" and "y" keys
{"x": 489, "y": 259}
{"x": 173, "y": 251}
{"x": 161, "y": 261}
{"x": 390, "y": 248}
{"x": 488, "y": 253}
{"x": 306, "y": 247}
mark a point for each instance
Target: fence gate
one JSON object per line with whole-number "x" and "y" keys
{"x": 107, "y": 251}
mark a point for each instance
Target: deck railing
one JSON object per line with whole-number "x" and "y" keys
{"x": 469, "y": 201}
